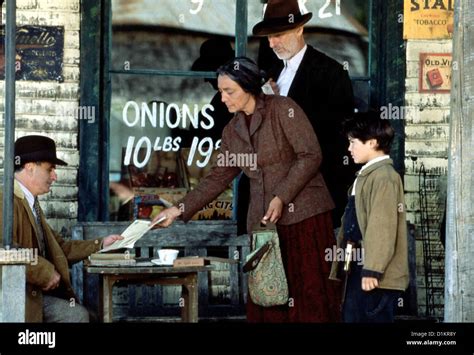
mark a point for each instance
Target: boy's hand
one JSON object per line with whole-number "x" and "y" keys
{"x": 369, "y": 283}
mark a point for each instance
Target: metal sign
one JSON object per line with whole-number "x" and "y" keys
{"x": 435, "y": 72}
{"x": 39, "y": 53}
{"x": 428, "y": 19}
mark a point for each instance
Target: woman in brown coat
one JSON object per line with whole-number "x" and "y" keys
{"x": 286, "y": 188}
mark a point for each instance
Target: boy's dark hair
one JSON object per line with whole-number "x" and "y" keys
{"x": 369, "y": 125}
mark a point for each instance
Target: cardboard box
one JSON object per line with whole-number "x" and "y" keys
{"x": 219, "y": 209}
{"x": 149, "y": 202}
{"x": 200, "y": 261}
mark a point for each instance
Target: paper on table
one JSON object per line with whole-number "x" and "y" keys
{"x": 133, "y": 233}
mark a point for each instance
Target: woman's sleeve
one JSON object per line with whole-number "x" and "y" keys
{"x": 301, "y": 137}
{"x": 211, "y": 186}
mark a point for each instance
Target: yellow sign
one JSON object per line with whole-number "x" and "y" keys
{"x": 428, "y": 19}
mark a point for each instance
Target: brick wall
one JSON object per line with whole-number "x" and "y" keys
{"x": 427, "y": 137}
{"x": 49, "y": 107}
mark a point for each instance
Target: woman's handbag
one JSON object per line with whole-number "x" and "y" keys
{"x": 267, "y": 279}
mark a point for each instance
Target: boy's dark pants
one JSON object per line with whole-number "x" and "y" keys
{"x": 376, "y": 306}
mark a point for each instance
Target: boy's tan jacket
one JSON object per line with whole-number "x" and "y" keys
{"x": 61, "y": 254}
{"x": 380, "y": 209}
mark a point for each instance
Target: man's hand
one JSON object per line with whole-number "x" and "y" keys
{"x": 274, "y": 211}
{"x": 53, "y": 282}
{"x": 170, "y": 213}
{"x": 111, "y": 239}
{"x": 369, "y": 283}
{"x": 274, "y": 86}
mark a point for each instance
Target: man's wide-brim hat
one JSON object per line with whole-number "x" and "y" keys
{"x": 36, "y": 149}
{"x": 213, "y": 53}
{"x": 281, "y": 16}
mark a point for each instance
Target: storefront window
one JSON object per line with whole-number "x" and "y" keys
{"x": 165, "y": 126}
{"x": 166, "y": 34}
{"x": 166, "y": 118}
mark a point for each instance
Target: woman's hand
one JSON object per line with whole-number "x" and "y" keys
{"x": 170, "y": 213}
{"x": 274, "y": 211}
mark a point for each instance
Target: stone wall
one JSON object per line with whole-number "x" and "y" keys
{"x": 427, "y": 137}
{"x": 49, "y": 107}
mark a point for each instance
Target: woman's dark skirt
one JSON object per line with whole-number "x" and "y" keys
{"x": 313, "y": 297}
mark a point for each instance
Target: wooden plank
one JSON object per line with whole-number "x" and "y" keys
{"x": 459, "y": 288}
{"x": 134, "y": 293}
{"x": 104, "y": 108}
{"x": 387, "y": 66}
{"x": 234, "y": 277}
{"x": 192, "y": 234}
{"x": 191, "y": 291}
{"x": 187, "y": 280}
{"x": 144, "y": 271}
{"x": 12, "y": 293}
{"x": 77, "y": 274}
{"x": 158, "y": 294}
{"x": 411, "y": 293}
{"x": 203, "y": 279}
{"x": 243, "y": 277}
{"x": 194, "y": 238}
{"x": 107, "y": 294}
{"x": 395, "y": 88}
{"x": 145, "y": 251}
{"x": 90, "y": 198}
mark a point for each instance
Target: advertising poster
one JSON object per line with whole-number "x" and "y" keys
{"x": 435, "y": 72}
{"x": 428, "y": 19}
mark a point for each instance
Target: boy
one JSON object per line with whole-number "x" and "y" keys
{"x": 373, "y": 226}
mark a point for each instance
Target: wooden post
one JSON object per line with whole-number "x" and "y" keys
{"x": 12, "y": 293}
{"x": 459, "y": 288}
{"x": 13, "y": 283}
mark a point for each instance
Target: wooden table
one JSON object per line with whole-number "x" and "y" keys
{"x": 186, "y": 277}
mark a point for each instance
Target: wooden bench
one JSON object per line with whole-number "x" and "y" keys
{"x": 222, "y": 294}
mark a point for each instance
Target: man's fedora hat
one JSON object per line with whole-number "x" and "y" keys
{"x": 214, "y": 52}
{"x": 281, "y": 16}
{"x": 36, "y": 149}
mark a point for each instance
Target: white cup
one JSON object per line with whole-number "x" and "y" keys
{"x": 167, "y": 256}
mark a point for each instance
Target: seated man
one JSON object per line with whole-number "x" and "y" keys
{"x": 49, "y": 293}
